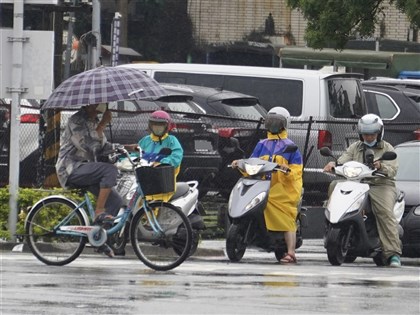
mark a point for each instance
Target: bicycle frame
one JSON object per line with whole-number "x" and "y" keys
{"x": 138, "y": 195}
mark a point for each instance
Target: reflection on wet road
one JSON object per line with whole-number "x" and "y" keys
{"x": 208, "y": 285}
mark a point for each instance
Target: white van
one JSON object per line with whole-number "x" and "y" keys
{"x": 304, "y": 93}
{"x": 312, "y": 98}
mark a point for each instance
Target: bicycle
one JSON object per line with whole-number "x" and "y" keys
{"x": 57, "y": 228}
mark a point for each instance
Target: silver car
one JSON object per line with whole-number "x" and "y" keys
{"x": 408, "y": 180}
{"x": 408, "y": 176}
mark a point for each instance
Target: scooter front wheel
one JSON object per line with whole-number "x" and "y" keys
{"x": 336, "y": 247}
{"x": 235, "y": 243}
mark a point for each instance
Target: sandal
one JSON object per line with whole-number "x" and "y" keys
{"x": 105, "y": 249}
{"x": 288, "y": 259}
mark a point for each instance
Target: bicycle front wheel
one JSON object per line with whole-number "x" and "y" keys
{"x": 41, "y": 232}
{"x": 168, "y": 248}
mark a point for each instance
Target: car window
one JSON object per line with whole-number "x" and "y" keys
{"x": 345, "y": 98}
{"x": 408, "y": 158}
{"x": 382, "y": 104}
{"x": 415, "y": 99}
{"x": 245, "y": 111}
{"x": 271, "y": 92}
{"x": 210, "y": 80}
{"x": 186, "y": 107}
{"x": 122, "y": 107}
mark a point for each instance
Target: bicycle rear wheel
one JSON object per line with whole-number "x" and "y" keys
{"x": 161, "y": 251}
{"x": 43, "y": 241}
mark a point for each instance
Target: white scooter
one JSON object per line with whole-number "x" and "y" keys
{"x": 247, "y": 202}
{"x": 185, "y": 198}
{"x": 351, "y": 230}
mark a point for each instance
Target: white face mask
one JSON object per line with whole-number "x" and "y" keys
{"x": 101, "y": 108}
{"x": 158, "y": 130}
{"x": 370, "y": 144}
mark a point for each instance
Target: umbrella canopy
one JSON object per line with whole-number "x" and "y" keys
{"x": 103, "y": 85}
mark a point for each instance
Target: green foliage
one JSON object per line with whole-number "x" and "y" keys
{"x": 27, "y": 198}
{"x": 334, "y": 22}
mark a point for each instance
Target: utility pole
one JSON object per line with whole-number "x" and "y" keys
{"x": 96, "y": 31}
{"x": 16, "y": 89}
{"x": 115, "y": 39}
{"x": 122, "y": 8}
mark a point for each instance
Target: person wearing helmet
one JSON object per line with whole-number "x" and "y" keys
{"x": 286, "y": 188}
{"x": 158, "y": 139}
{"x": 383, "y": 192}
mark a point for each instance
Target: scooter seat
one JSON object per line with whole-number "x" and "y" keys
{"x": 181, "y": 189}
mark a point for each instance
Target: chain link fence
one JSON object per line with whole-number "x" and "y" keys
{"x": 210, "y": 144}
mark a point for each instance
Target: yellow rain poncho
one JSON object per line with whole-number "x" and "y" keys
{"x": 286, "y": 189}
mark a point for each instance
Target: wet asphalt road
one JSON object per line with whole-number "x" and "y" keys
{"x": 209, "y": 284}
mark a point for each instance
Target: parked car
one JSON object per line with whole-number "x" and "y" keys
{"x": 232, "y": 114}
{"x": 325, "y": 107}
{"x": 408, "y": 180}
{"x": 399, "y": 108}
{"x": 410, "y": 85}
{"x": 238, "y": 120}
{"x": 28, "y": 142}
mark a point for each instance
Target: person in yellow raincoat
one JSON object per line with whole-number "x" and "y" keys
{"x": 286, "y": 188}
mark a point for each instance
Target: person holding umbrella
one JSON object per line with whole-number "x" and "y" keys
{"x": 84, "y": 141}
{"x": 82, "y": 145}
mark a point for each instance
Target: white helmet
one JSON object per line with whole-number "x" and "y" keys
{"x": 371, "y": 124}
{"x": 277, "y": 119}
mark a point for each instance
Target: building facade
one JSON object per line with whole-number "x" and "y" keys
{"x": 221, "y": 21}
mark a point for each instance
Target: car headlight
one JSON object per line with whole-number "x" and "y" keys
{"x": 252, "y": 169}
{"x": 256, "y": 200}
{"x": 350, "y": 171}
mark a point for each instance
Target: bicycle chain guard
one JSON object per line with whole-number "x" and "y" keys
{"x": 97, "y": 236}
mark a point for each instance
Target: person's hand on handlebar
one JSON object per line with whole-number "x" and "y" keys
{"x": 377, "y": 165}
{"x": 284, "y": 168}
{"x": 131, "y": 147}
{"x": 329, "y": 167}
{"x": 234, "y": 164}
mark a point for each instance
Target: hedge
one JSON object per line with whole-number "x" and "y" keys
{"x": 27, "y": 197}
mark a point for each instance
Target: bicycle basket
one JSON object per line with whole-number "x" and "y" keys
{"x": 156, "y": 180}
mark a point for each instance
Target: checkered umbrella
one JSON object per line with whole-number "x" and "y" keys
{"x": 103, "y": 85}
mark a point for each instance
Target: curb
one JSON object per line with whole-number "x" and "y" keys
{"x": 23, "y": 248}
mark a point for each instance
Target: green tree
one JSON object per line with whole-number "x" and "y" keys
{"x": 334, "y": 22}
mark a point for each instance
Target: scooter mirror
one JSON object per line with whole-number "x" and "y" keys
{"x": 290, "y": 148}
{"x": 325, "y": 151}
{"x": 389, "y": 156}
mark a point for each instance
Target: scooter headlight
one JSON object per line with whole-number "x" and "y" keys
{"x": 352, "y": 171}
{"x": 252, "y": 169}
{"x": 256, "y": 200}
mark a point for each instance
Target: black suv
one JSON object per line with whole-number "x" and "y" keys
{"x": 201, "y": 158}
{"x": 238, "y": 120}
{"x": 399, "y": 107}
